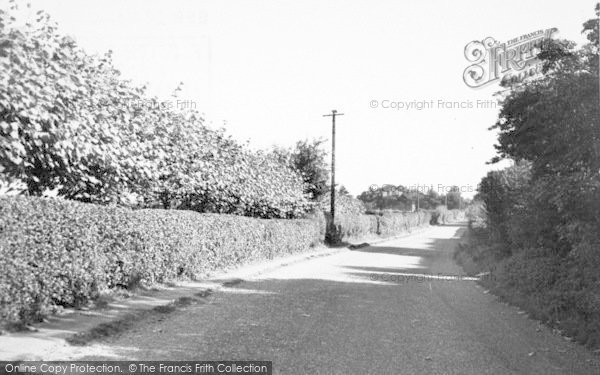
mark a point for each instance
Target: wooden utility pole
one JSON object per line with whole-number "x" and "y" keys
{"x": 332, "y": 115}
{"x": 417, "y": 199}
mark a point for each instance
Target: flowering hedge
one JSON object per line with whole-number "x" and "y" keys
{"x": 56, "y": 252}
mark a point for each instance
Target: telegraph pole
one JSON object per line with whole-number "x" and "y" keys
{"x": 417, "y": 199}
{"x": 332, "y": 115}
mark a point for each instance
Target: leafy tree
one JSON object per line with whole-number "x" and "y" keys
{"x": 342, "y": 191}
{"x": 432, "y": 199}
{"x": 389, "y": 197}
{"x": 310, "y": 160}
{"x": 455, "y": 201}
{"x": 64, "y": 119}
{"x": 552, "y": 122}
{"x": 70, "y": 123}
{"x": 590, "y": 28}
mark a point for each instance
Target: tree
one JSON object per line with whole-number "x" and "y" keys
{"x": 342, "y": 191}
{"x": 70, "y": 123}
{"x": 310, "y": 161}
{"x": 432, "y": 199}
{"x": 455, "y": 201}
{"x": 389, "y": 197}
{"x": 552, "y": 122}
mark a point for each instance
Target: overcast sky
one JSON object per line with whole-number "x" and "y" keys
{"x": 269, "y": 70}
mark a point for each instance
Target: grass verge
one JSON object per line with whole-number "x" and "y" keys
{"x": 561, "y": 291}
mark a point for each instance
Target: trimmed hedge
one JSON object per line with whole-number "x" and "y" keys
{"x": 55, "y": 252}
{"x": 356, "y": 226}
{"x": 385, "y": 225}
{"x": 399, "y": 223}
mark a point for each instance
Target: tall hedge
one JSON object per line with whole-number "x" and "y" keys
{"x": 56, "y": 252}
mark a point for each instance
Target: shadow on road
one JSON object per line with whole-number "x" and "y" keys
{"x": 345, "y": 314}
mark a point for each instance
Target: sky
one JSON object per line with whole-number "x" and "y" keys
{"x": 268, "y": 71}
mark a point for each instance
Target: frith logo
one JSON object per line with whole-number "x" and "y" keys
{"x": 514, "y": 60}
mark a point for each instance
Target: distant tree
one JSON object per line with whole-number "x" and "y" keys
{"x": 342, "y": 191}
{"x": 454, "y": 198}
{"x": 388, "y": 197}
{"x": 432, "y": 199}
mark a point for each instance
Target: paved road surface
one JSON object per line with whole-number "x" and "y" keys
{"x": 372, "y": 310}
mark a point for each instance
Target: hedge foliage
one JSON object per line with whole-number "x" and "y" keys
{"x": 385, "y": 225}
{"x": 56, "y": 252}
{"x": 394, "y": 224}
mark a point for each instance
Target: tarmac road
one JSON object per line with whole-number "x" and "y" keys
{"x": 399, "y": 307}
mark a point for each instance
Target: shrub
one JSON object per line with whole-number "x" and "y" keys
{"x": 56, "y": 252}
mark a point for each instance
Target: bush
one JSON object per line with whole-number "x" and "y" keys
{"x": 56, "y": 252}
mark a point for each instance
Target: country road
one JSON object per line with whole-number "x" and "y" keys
{"x": 384, "y": 309}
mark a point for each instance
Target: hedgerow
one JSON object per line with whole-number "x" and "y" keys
{"x": 398, "y": 223}
{"x": 56, "y": 252}
{"x": 384, "y": 225}
{"x": 356, "y": 226}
